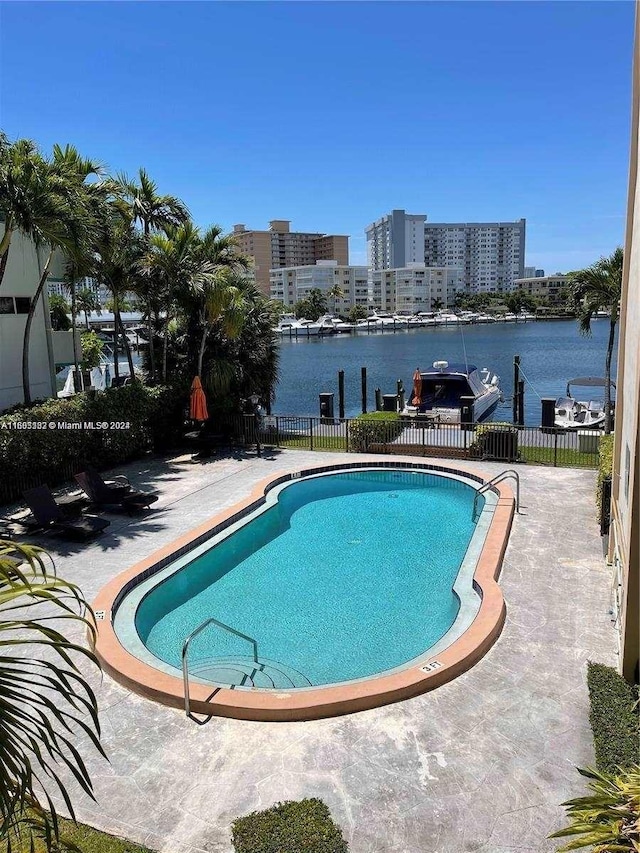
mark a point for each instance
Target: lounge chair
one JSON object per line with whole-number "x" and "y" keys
{"x": 70, "y": 504}
{"x": 111, "y": 494}
{"x": 51, "y": 517}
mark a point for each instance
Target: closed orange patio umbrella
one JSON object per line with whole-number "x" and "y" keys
{"x": 417, "y": 388}
{"x": 198, "y": 405}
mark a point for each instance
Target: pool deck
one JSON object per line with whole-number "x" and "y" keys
{"x": 479, "y": 764}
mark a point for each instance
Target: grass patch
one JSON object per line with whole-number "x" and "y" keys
{"x": 613, "y": 717}
{"x": 564, "y": 458}
{"x": 88, "y": 839}
{"x": 320, "y": 442}
{"x": 291, "y": 827}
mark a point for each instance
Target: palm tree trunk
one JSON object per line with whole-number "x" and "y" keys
{"x": 125, "y": 343}
{"x": 116, "y": 313}
{"x": 607, "y": 375}
{"x": 165, "y": 347}
{"x": 203, "y": 344}
{"x": 5, "y": 244}
{"x": 74, "y": 334}
{"x": 152, "y": 351}
{"x": 26, "y": 389}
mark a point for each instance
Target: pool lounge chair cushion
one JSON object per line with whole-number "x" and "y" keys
{"x": 51, "y": 517}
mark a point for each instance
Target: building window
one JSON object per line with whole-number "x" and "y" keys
{"x": 23, "y": 303}
{"x": 6, "y": 305}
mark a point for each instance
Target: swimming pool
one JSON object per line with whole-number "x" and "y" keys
{"x": 338, "y": 576}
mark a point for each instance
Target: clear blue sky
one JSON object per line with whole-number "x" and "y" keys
{"x": 332, "y": 114}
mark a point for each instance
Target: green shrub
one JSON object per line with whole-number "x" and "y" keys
{"x": 291, "y": 827}
{"x": 613, "y": 717}
{"x": 605, "y": 468}
{"x": 374, "y": 428}
{"x": 92, "y": 348}
{"x": 50, "y": 455}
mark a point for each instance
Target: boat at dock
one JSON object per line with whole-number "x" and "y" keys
{"x": 439, "y": 391}
{"x": 572, "y": 414}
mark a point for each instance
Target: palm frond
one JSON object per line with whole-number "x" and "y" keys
{"x": 45, "y": 701}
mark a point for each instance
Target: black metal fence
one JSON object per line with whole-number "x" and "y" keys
{"x": 499, "y": 442}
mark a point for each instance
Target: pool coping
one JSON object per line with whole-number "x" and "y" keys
{"x": 315, "y": 703}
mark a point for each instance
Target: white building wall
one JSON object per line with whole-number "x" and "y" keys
{"x": 20, "y": 282}
{"x": 291, "y": 284}
{"x": 408, "y": 290}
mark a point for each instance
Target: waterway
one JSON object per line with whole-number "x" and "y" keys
{"x": 551, "y": 352}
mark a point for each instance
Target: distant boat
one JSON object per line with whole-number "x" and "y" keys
{"x": 444, "y": 385}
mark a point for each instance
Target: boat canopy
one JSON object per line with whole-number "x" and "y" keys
{"x": 588, "y": 382}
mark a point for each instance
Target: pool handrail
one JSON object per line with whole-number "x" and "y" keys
{"x": 193, "y": 635}
{"x": 510, "y": 472}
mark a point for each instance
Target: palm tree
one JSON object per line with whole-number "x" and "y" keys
{"x": 46, "y": 700}
{"x": 437, "y": 303}
{"x": 599, "y": 287}
{"x": 175, "y": 264}
{"x": 120, "y": 250}
{"x": 220, "y": 294}
{"x": 156, "y": 213}
{"x": 31, "y": 200}
{"x": 71, "y": 203}
{"x": 87, "y": 301}
{"x": 335, "y": 293}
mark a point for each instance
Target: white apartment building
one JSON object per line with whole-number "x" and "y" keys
{"x": 491, "y": 254}
{"x": 396, "y": 240}
{"x": 56, "y": 287}
{"x": 414, "y": 288}
{"x": 48, "y": 350}
{"x": 291, "y": 284}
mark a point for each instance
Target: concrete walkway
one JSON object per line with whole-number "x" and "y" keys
{"x": 479, "y": 764}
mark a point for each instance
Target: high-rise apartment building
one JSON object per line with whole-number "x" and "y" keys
{"x": 280, "y": 247}
{"x": 395, "y": 240}
{"x": 290, "y": 284}
{"x": 491, "y": 254}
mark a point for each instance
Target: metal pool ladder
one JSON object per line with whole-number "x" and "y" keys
{"x": 511, "y": 472}
{"x": 185, "y": 653}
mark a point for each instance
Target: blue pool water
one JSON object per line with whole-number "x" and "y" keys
{"x": 347, "y": 575}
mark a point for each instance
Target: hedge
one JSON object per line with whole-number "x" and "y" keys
{"x": 290, "y": 827}
{"x": 614, "y": 718}
{"x": 605, "y": 468}
{"x": 31, "y": 456}
{"x": 374, "y": 428}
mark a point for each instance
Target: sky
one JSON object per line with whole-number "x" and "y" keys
{"x": 332, "y": 114}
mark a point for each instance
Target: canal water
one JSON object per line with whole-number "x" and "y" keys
{"x": 551, "y": 353}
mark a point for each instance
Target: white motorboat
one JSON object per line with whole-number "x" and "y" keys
{"x": 572, "y": 414}
{"x": 288, "y": 325}
{"x": 336, "y": 324}
{"x": 509, "y": 317}
{"x": 485, "y": 318}
{"x": 443, "y": 386}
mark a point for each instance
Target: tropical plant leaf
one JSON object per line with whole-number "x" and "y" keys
{"x": 45, "y": 700}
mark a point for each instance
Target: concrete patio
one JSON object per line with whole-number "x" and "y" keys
{"x": 480, "y": 764}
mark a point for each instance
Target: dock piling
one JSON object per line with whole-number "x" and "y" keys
{"x": 363, "y": 379}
